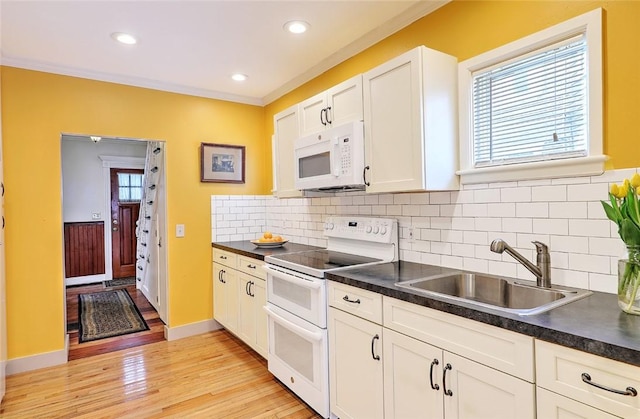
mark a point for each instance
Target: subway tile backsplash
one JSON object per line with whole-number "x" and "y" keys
{"x": 454, "y": 229}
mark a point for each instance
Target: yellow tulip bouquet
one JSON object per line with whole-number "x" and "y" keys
{"x": 623, "y": 209}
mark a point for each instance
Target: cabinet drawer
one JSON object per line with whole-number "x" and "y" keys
{"x": 225, "y": 258}
{"x": 362, "y": 303}
{"x": 554, "y": 406}
{"x": 503, "y": 350}
{"x": 560, "y": 369}
{"x": 251, "y": 266}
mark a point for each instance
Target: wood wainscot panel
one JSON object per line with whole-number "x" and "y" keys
{"x": 84, "y": 248}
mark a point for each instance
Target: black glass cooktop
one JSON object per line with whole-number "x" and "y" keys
{"x": 325, "y": 259}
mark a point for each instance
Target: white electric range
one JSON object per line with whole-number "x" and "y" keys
{"x": 297, "y": 300}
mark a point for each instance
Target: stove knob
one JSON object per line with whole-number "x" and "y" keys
{"x": 330, "y": 226}
{"x": 368, "y": 229}
{"x": 376, "y": 229}
{"x": 383, "y": 230}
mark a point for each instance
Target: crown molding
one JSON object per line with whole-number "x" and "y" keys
{"x": 126, "y": 80}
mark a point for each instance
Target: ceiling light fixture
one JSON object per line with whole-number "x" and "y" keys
{"x": 124, "y": 38}
{"x": 296, "y": 26}
{"x": 95, "y": 139}
{"x": 239, "y": 77}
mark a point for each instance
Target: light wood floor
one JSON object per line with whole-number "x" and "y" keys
{"x": 83, "y": 350}
{"x": 212, "y": 375}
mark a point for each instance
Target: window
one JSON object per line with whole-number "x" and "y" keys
{"x": 533, "y": 108}
{"x": 129, "y": 187}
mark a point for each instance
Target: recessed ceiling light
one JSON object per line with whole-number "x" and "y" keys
{"x": 296, "y": 26}
{"x": 124, "y": 38}
{"x": 239, "y": 77}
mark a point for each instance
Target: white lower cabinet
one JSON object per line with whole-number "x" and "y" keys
{"x": 239, "y": 295}
{"x": 355, "y": 366}
{"x": 423, "y": 381}
{"x": 391, "y": 371}
{"x": 252, "y": 322}
{"x": 225, "y": 296}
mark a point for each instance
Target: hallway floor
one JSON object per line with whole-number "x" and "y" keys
{"x": 101, "y": 346}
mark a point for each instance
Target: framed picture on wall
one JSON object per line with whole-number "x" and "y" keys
{"x": 221, "y": 163}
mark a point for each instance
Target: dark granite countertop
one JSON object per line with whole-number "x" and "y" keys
{"x": 594, "y": 324}
{"x": 246, "y": 248}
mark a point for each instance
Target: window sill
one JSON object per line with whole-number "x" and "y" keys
{"x": 585, "y": 166}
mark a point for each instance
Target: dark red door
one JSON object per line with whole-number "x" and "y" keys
{"x": 126, "y": 191}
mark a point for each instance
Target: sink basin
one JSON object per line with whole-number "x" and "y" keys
{"x": 495, "y": 292}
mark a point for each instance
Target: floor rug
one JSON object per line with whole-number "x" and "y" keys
{"x": 120, "y": 282}
{"x": 107, "y": 314}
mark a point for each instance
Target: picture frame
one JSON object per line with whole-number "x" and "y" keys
{"x": 222, "y": 163}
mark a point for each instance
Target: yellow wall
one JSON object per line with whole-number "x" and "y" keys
{"x": 37, "y": 107}
{"x": 467, "y": 28}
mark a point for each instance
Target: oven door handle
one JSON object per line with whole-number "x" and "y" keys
{"x": 313, "y": 336}
{"x": 305, "y": 283}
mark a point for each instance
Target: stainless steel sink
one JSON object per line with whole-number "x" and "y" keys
{"x": 495, "y": 292}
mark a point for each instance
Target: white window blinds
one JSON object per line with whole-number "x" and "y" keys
{"x": 533, "y": 107}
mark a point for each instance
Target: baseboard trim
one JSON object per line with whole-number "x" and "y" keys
{"x": 35, "y": 362}
{"x": 191, "y": 329}
{"x": 87, "y": 279}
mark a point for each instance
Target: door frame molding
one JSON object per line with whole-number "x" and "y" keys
{"x": 109, "y": 162}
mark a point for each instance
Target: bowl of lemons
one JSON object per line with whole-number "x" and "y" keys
{"x": 269, "y": 240}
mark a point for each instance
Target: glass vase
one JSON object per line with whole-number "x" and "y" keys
{"x": 629, "y": 281}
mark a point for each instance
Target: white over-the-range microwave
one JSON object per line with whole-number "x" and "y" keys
{"x": 331, "y": 160}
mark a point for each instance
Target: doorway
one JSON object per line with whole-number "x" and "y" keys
{"x": 126, "y": 193}
{"x": 87, "y": 184}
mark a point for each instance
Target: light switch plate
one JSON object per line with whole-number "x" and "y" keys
{"x": 179, "y": 230}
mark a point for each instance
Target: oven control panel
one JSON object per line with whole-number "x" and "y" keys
{"x": 380, "y": 230}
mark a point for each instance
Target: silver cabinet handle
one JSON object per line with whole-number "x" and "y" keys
{"x": 630, "y": 391}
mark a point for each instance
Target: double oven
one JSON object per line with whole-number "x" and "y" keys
{"x": 297, "y": 300}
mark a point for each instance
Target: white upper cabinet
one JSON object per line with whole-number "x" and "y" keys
{"x": 410, "y": 123}
{"x": 285, "y": 126}
{"x": 331, "y": 108}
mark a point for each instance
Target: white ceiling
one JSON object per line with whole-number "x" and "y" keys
{"x": 193, "y": 47}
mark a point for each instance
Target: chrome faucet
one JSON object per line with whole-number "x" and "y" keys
{"x": 543, "y": 261}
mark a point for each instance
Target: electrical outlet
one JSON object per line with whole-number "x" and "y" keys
{"x": 411, "y": 232}
{"x": 179, "y": 230}
{"x": 95, "y": 215}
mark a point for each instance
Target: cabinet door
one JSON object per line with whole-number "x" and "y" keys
{"x": 393, "y": 124}
{"x": 345, "y": 102}
{"x": 355, "y": 366}
{"x": 285, "y": 133}
{"x": 554, "y": 406}
{"x": 412, "y": 378}
{"x": 260, "y": 316}
{"x": 246, "y": 315}
{"x": 225, "y": 296}
{"x": 312, "y": 116}
{"x": 481, "y": 392}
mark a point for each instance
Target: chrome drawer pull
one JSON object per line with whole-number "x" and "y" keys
{"x": 346, "y": 298}
{"x": 630, "y": 391}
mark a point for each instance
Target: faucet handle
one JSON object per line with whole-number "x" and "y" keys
{"x": 540, "y": 247}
